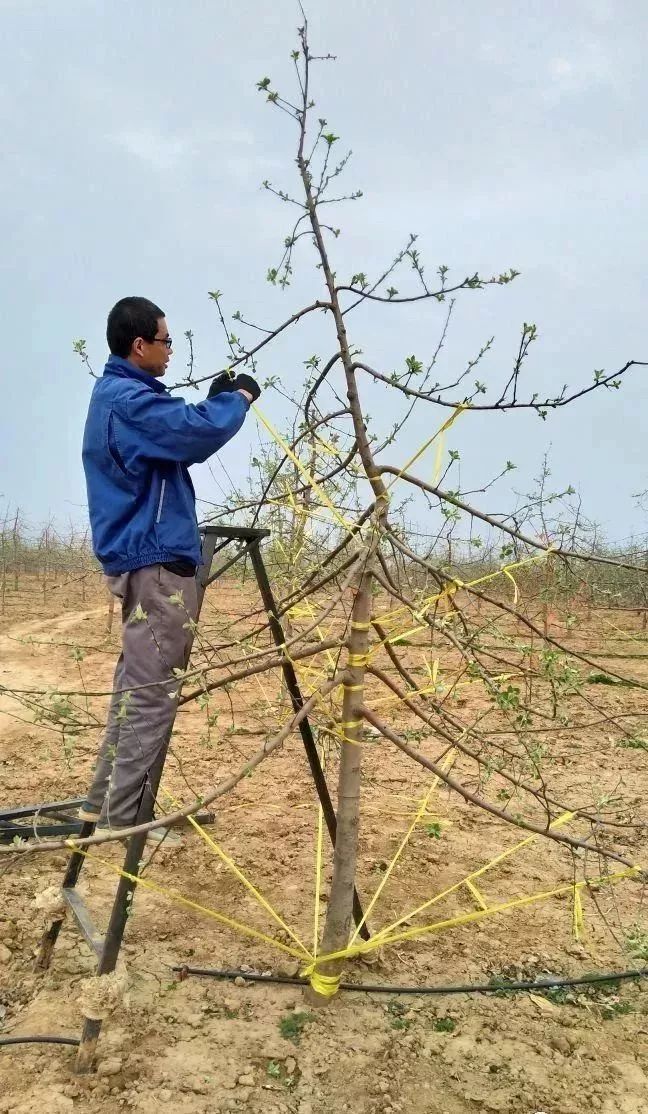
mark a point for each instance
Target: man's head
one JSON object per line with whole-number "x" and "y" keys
{"x": 137, "y": 331}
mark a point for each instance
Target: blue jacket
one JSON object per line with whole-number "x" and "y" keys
{"x": 137, "y": 443}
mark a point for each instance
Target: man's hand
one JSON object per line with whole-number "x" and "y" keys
{"x": 247, "y": 386}
{"x": 223, "y": 383}
{"x": 244, "y": 384}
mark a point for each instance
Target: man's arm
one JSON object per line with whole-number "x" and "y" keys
{"x": 168, "y": 428}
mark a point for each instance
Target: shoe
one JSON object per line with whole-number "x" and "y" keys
{"x": 88, "y": 814}
{"x": 103, "y": 829}
{"x": 164, "y": 836}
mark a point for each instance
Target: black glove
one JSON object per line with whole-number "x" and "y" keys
{"x": 223, "y": 383}
{"x": 245, "y": 382}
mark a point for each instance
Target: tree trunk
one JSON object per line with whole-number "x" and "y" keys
{"x": 14, "y": 538}
{"x": 337, "y": 929}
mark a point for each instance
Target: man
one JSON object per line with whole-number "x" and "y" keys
{"x": 137, "y": 444}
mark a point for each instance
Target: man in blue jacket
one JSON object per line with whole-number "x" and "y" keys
{"x": 137, "y": 445}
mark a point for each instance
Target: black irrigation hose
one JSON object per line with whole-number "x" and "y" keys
{"x": 4, "y": 1041}
{"x": 457, "y": 988}
{"x": 460, "y": 988}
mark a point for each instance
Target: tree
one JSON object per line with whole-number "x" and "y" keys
{"x": 319, "y": 169}
{"x": 382, "y": 588}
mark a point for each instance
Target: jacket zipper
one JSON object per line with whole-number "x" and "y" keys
{"x": 159, "y": 510}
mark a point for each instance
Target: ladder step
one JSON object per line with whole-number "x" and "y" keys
{"x": 9, "y": 832}
{"x": 79, "y": 910}
{"x": 43, "y": 809}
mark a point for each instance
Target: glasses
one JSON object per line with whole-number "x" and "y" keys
{"x": 162, "y": 340}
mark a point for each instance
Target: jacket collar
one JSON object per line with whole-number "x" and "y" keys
{"x": 126, "y": 370}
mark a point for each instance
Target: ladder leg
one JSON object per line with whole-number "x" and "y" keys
{"x": 305, "y": 729}
{"x": 70, "y": 879}
{"x": 113, "y": 940}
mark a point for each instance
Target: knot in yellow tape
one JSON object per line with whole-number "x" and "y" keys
{"x": 326, "y": 985}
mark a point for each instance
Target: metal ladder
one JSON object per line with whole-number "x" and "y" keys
{"x": 215, "y": 539}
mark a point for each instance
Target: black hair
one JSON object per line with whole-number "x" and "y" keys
{"x": 128, "y": 319}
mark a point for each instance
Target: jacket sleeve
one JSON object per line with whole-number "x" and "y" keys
{"x": 167, "y": 428}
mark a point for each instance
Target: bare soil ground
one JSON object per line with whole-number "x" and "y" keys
{"x": 195, "y": 1045}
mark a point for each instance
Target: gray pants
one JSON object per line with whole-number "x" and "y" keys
{"x": 157, "y": 606}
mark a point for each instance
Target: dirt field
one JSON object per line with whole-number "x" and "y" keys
{"x": 199, "y": 1046}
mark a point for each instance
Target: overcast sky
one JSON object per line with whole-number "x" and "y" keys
{"x": 505, "y": 134}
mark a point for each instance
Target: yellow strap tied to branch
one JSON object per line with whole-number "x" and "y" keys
{"x": 380, "y": 940}
{"x": 422, "y": 809}
{"x": 179, "y": 899}
{"x": 327, "y": 985}
{"x": 238, "y": 873}
{"x": 439, "y": 433}
{"x": 304, "y": 471}
{"x": 420, "y": 612}
{"x": 564, "y": 819}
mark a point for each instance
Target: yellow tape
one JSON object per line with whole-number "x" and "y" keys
{"x": 326, "y": 985}
{"x": 450, "y": 589}
{"x": 516, "y": 594}
{"x": 263, "y": 691}
{"x": 430, "y": 689}
{"x": 476, "y": 894}
{"x": 300, "y": 612}
{"x": 344, "y": 738}
{"x": 515, "y": 903}
{"x": 171, "y": 895}
{"x": 380, "y": 940}
{"x": 314, "y": 512}
{"x": 238, "y": 873}
{"x": 564, "y": 819}
{"x": 353, "y": 742}
{"x": 446, "y": 765}
{"x": 438, "y": 458}
{"x": 357, "y": 660}
{"x": 577, "y": 917}
{"x": 359, "y": 626}
{"x": 304, "y": 471}
{"x": 320, "y": 634}
{"x": 442, "y": 429}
